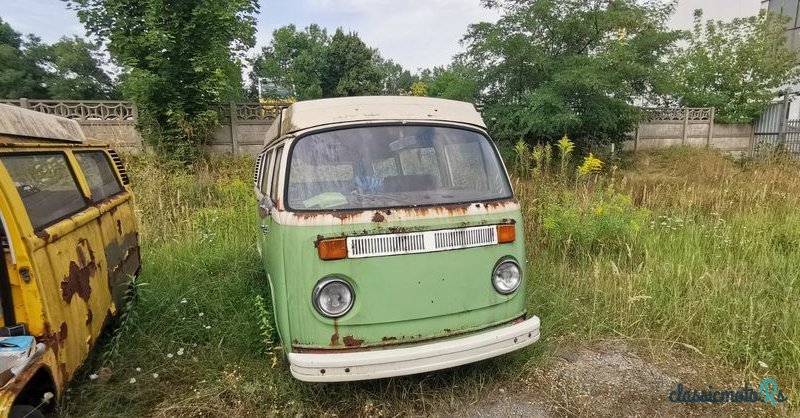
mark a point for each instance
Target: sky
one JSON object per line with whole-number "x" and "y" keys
{"x": 415, "y": 33}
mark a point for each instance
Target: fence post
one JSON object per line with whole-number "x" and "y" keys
{"x": 685, "y": 125}
{"x": 784, "y": 115}
{"x": 23, "y": 103}
{"x": 711, "y": 126}
{"x": 234, "y": 129}
{"x": 636, "y": 138}
{"x": 134, "y": 112}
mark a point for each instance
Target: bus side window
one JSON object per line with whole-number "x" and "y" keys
{"x": 265, "y": 172}
{"x": 276, "y": 170}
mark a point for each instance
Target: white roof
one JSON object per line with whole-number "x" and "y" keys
{"x": 27, "y": 123}
{"x": 316, "y": 113}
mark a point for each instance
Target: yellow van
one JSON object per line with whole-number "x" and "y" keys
{"x": 70, "y": 251}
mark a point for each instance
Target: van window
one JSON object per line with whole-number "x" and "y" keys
{"x": 96, "y": 167}
{"x": 380, "y": 167}
{"x": 265, "y": 173}
{"x": 276, "y": 173}
{"x": 46, "y": 185}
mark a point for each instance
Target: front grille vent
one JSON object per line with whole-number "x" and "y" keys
{"x": 420, "y": 242}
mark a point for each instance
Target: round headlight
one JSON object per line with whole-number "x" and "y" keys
{"x": 333, "y": 297}
{"x": 507, "y": 277}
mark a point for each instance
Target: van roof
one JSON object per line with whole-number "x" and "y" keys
{"x": 33, "y": 126}
{"x": 316, "y": 113}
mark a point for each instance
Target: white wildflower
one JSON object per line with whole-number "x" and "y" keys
{"x": 133, "y": 380}
{"x": 93, "y": 376}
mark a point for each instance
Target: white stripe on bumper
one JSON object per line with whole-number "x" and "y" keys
{"x": 420, "y": 358}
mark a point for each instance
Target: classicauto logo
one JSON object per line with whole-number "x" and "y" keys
{"x": 768, "y": 392}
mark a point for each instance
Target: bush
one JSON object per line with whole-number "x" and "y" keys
{"x": 606, "y": 219}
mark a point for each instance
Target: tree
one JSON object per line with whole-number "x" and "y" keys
{"x": 291, "y": 64}
{"x": 554, "y": 67}
{"x": 395, "y": 78}
{"x": 456, "y": 82}
{"x": 19, "y": 75}
{"x": 348, "y": 67}
{"x": 182, "y": 57}
{"x": 736, "y": 67}
{"x": 73, "y": 70}
{"x": 310, "y": 64}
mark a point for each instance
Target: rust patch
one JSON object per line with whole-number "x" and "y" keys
{"x": 43, "y": 235}
{"x": 24, "y": 377}
{"x": 387, "y": 339}
{"x": 119, "y": 226}
{"x": 350, "y": 341}
{"x": 89, "y": 317}
{"x": 335, "y": 336}
{"x": 62, "y": 333}
{"x": 378, "y": 218}
{"x": 77, "y": 281}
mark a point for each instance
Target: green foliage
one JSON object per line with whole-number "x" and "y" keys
{"x": 396, "y": 79}
{"x": 310, "y": 64}
{"x": 419, "y": 89}
{"x": 733, "y": 66}
{"x": 182, "y": 59}
{"x": 19, "y": 75}
{"x": 70, "y": 69}
{"x": 74, "y": 70}
{"x": 456, "y": 82}
{"x": 265, "y": 321}
{"x": 550, "y": 67}
{"x": 291, "y": 64}
{"x": 606, "y": 219}
{"x": 348, "y": 67}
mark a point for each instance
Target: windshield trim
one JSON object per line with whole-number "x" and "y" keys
{"x": 481, "y": 132}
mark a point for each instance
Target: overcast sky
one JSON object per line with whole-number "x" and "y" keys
{"x": 415, "y": 33}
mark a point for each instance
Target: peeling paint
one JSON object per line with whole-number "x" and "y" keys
{"x": 342, "y": 217}
{"x": 77, "y": 281}
{"x": 124, "y": 260}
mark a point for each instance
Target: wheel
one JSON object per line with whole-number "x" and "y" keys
{"x": 24, "y": 411}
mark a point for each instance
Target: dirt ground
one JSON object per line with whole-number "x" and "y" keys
{"x": 612, "y": 379}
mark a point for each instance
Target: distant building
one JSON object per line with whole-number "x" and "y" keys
{"x": 790, "y": 8}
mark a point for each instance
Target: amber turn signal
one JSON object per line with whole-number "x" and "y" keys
{"x": 506, "y": 233}
{"x": 332, "y": 249}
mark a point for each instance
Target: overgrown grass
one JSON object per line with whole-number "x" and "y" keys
{"x": 682, "y": 246}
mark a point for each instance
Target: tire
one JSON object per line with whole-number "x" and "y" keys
{"x": 24, "y": 411}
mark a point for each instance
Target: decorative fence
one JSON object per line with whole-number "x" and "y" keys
{"x": 665, "y": 127}
{"x": 242, "y": 125}
{"x": 82, "y": 110}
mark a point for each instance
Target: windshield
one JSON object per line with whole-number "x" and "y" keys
{"x": 393, "y": 166}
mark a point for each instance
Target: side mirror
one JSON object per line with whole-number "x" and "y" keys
{"x": 265, "y": 207}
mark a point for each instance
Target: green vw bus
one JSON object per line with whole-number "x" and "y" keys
{"x": 391, "y": 238}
